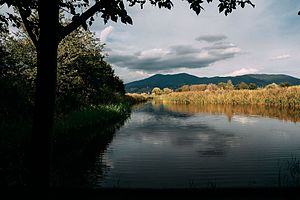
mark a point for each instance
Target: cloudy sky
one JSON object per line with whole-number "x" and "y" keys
{"x": 264, "y": 39}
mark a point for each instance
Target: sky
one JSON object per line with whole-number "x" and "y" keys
{"x": 264, "y": 39}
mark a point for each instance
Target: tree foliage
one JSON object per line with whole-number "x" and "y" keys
{"x": 167, "y": 90}
{"x": 157, "y": 91}
{"x": 242, "y": 86}
{"x": 84, "y": 77}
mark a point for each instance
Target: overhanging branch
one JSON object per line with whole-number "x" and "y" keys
{"x": 29, "y": 28}
{"x": 79, "y": 20}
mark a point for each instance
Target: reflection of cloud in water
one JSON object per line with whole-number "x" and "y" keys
{"x": 244, "y": 120}
{"x": 161, "y": 127}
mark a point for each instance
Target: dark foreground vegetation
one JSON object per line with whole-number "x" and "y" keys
{"x": 90, "y": 105}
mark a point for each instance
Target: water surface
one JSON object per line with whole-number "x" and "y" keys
{"x": 194, "y": 146}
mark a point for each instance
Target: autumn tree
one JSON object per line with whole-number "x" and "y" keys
{"x": 43, "y": 22}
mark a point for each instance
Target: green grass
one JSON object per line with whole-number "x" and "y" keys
{"x": 101, "y": 115}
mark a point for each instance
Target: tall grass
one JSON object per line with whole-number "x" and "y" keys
{"x": 135, "y": 98}
{"x": 101, "y": 116}
{"x": 281, "y": 97}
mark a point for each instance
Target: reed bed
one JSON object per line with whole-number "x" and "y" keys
{"x": 281, "y": 97}
{"x": 135, "y": 98}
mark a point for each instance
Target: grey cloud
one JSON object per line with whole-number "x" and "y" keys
{"x": 211, "y": 38}
{"x": 181, "y": 56}
{"x": 184, "y": 49}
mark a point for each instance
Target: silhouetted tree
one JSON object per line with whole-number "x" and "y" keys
{"x": 46, "y": 31}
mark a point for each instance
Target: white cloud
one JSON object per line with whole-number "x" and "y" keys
{"x": 153, "y": 53}
{"x": 243, "y": 71}
{"x": 128, "y": 76}
{"x": 281, "y": 57}
{"x": 105, "y": 33}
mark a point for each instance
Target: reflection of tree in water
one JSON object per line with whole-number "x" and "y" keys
{"x": 285, "y": 114}
{"x": 77, "y": 161}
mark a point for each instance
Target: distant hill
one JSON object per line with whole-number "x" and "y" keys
{"x": 175, "y": 81}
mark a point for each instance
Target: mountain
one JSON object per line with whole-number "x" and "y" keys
{"x": 175, "y": 81}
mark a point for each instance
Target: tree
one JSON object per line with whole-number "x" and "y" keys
{"x": 42, "y": 20}
{"x": 157, "y": 91}
{"x": 242, "y": 86}
{"x": 167, "y": 90}
{"x": 83, "y": 76}
{"x": 229, "y": 85}
{"x": 272, "y": 86}
{"x": 252, "y": 86}
{"x": 285, "y": 84}
{"x": 222, "y": 85}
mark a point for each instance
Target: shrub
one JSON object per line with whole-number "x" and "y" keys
{"x": 167, "y": 90}
{"x": 157, "y": 91}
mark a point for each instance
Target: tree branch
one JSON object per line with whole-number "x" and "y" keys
{"x": 27, "y": 26}
{"x": 79, "y": 20}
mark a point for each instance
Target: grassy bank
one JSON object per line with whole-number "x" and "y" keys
{"x": 78, "y": 136}
{"x": 101, "y": 115}
{"x": 281, "y": 97}
{"x": 80, "y": 127}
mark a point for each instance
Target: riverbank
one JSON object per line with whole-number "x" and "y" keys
{"x": 88, "y": 129}
{"x": 280, "y": 97}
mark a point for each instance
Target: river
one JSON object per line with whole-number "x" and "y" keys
{"x": 196, "y": 146}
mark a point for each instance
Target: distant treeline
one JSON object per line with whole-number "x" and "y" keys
{"x": 220, "y": 86}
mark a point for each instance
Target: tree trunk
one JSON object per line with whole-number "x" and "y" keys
{"x": 45, "y": 94}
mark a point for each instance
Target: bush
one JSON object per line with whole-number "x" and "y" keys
{"x": 167, "y": 90}
{"x": 272, "y": 86}
{"x": 157, "y": 91}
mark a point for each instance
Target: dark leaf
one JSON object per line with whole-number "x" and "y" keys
{"x": 84, "y": 26}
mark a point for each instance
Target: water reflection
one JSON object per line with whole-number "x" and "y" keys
{"x": 77, "y": 159}
{"x": 170, "y": 146}
{"x": 285, "y": 114}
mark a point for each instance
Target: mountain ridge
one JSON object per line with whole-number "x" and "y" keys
{"x": 175, "y": 81}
